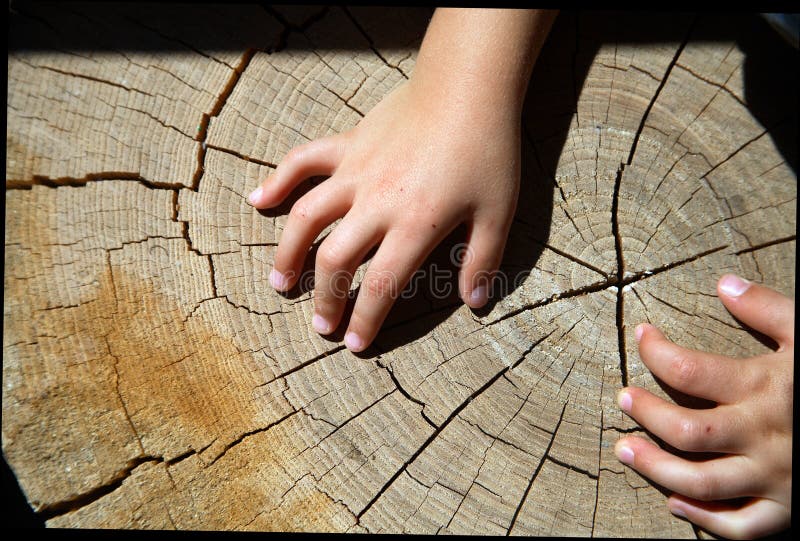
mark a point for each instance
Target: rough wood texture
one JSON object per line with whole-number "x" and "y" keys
{"x": 153, "y": 379}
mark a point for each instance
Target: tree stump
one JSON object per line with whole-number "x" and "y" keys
{"x": 153, "y": 379}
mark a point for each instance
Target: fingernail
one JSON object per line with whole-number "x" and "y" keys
{"x": 732, "y": 285}
{"x": 625, "y": 454}
{"x": 353, "y": 341}
{"x": 277, "y": 280}
{"x": 639, "y": 331}
{"x": 255, "y": 196}
{"x": 478, "y": 297}
{"x": 625, "y": 401}
{"x": 677, "y": 511}
{"x": 320, "y": 324}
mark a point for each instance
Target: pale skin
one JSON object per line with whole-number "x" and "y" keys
{"x": 440, "y": 150}
{"x": 751, "y": 423}
{"x": 443, "y": 149}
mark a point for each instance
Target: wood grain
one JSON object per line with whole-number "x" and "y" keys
{"x": 153, "y": 379}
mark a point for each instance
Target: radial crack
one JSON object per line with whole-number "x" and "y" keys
{"x": 763, "y": 245}
{"x": 446, "y": 422}
{"x": 536, "y": 471}
{"x": 52, "y": 510}
{"x": 597, "y": 479}
{"x": 408, "y": 395}
{"x": 372, "y": 43}
{"x": 246, "y": 435}
{"x": 591, "y": 288}
{"x": 304, "y": 364}
{"x": 659, "y": 89}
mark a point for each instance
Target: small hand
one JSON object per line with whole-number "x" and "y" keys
{"x": 746, "y": 492}
{"x": 409, "y": 173}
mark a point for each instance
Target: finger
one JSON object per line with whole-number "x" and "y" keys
{"x": 730, "y": 476}
{"x": 684, "y": 428}
{"x": 389, "y": 271}
{"x": 756, "y": 518}
{"x": 338, "y": 257}
{"x": 759, "y": 307}
{"x": 309, "y": 216}
{"x": 480, "y": 262}
{"x": 706, "y": 375}
{"x": 319, "y": 157}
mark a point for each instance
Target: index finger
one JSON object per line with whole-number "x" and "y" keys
{"x": 705, "y": 375}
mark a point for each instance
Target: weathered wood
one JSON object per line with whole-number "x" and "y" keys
{"x": 153, "y": 379}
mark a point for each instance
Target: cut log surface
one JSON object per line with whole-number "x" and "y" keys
{"x": 153, "y": 379}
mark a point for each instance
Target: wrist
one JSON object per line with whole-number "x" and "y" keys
{"x": 466, "y": 91}
{"x": 480, "y": 57}
{"x": 464, "y": 102}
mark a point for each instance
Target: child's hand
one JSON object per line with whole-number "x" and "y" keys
{"x": 408, "y": 174}
{"x": 751, "y": 424}
{"x": 440, "y": 150}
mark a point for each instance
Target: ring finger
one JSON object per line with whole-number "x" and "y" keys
{"x": 338, "y": 257}
{"x": 684, "y": 428}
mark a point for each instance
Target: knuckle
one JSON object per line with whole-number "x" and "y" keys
{"x": 684, "y": 368}
{"x": 758, "y": 381}
{"x": 744, "y": 529}
{"x": 704, "y": 486}
{"x": 331, "y": 291}
{"x": 690, "y": 435}
{"x": 296, "y": 153}
{"x": 302, "y": 210}
{"x": 330, "y": 257}
{"x": 380, "y": 284}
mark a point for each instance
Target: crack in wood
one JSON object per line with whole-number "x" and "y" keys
{"x": 405, "y": 393}
{"x": 347, "y": 101}
{"x": 55, "y": 509}
{"x": 562, "y": 253}
{"x": 192, "y": 48}
{"x": 569, "y": 466}
{"x": 242, "y": 156}
{"x": 372, "y": 43}
{"x": 751, "y": 211}
{"x": 662, "y": 301}
{"x": 599, "y": 469}
{"x": 153, "y": 117}
{"x": 78, "y": 182}
{"x": 248, "y": 434}
{"x": 216, "y": 108}
{"x": 349, "y": 420}
{"x": 304, "y": 364}
{"x": 712, "y": 83}
{"x": 87, "y": 77}
{"x": 767, "y": 244}
{"x": 498, "y": 438}
{"x": 445, "y": 423}
{"x": 620, "y": 276}
{"x": 616, "y": 280}
{"x": 591, "y": 288}
{"x": 535, "y": 473}
{"x": 740, "y": 148}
